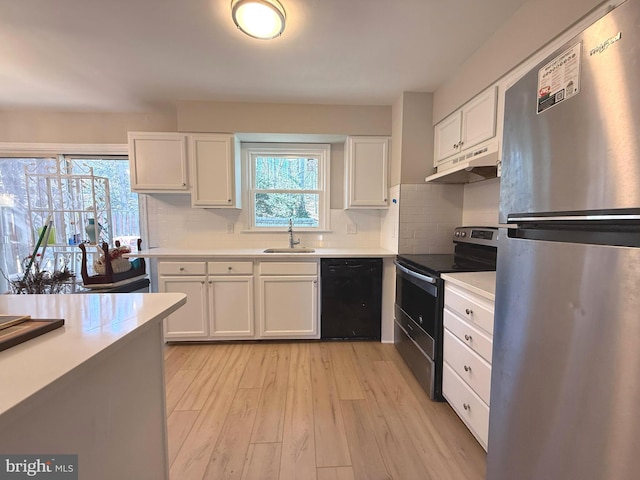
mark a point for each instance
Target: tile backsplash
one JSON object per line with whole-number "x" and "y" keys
{"x": 173, "y": 223}
{"x": 428, "y": 215}
{"x": 421, "y": 220}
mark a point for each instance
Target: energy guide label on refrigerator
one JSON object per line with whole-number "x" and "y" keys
{"x": 559, "y": 79}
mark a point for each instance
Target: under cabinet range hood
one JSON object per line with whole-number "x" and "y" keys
{"x": 474, "y": 166}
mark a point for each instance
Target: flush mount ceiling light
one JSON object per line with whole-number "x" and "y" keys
{"x": 263, "y": 19}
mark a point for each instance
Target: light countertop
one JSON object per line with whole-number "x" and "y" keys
{"x": 94, "y": 324}
{"x": 481, "y": 283}
{"x": 259, "y": 253}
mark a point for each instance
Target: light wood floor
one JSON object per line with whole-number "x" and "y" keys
{"x": 316, "y": 410}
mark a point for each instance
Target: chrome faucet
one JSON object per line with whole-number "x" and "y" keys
{"x": 292, "y": 243}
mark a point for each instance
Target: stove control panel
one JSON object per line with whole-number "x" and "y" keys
{"x": 478, "y": 235}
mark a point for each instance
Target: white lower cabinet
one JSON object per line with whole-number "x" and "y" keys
{"x": 467, "y": 404}
{"x": 288, "y": 300}
{"x": 219, "y": 300}
{"x": 190, "y": 321}
{"x": 221, "y": 304}
{"x": 466, "y": 375}
{"x": 231, "y": 307}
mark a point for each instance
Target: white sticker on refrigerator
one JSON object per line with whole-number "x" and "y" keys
{"x": 559, "y": 79}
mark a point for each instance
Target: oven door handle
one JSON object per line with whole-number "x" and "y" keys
{"x": 414, "y": 274}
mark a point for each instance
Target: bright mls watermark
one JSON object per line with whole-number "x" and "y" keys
{"x": 50, "y": 467}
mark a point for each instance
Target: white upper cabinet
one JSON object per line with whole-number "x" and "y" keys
{"x": 366, "y": 172}
{"x": 214, "y": 169}
{"x": 158, "y": 162}
{"x": 479, "y": 119}
{"x": 447, "y": 136}
{"x": 474, "y": 123}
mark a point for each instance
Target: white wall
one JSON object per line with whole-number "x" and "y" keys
{"x": 236, "y": 117}
{"x": 412, "y": 138}
{"x": 535, "y": 24}
{"x": 30, "y": 126}
{"x": 390, "y": 221}
{"x": 480, "y": 203}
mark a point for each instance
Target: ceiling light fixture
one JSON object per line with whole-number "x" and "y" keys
{"x": 263, "y": 19}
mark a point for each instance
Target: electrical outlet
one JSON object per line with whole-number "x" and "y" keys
{"x": 230, "y": 227}
{"x": 352, "y": 229}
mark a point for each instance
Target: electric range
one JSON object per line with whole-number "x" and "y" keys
{"x": 420, "y": 300}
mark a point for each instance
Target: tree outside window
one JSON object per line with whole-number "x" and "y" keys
{"x": 288, "y": 182}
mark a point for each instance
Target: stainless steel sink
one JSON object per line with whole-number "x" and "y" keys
{"x": 290, "y": 250}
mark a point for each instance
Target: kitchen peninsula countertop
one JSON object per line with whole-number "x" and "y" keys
{"x": 482, "y": 283}
{"x": 93, "y": 324}
{"x": 93, "y": 387}
{"x": 259, "y": 253}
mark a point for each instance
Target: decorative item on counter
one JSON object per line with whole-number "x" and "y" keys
{"x": 93, "y": 230}
{"x": 38, "y": 279}
{"x": 110, "y": 277}
{"x": 118, "y": 264}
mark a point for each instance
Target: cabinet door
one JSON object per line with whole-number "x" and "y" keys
{"x": 231, "y": 306}
{"x": 366, "y": 172}
{"x": 446, "y": 139}
{"x": 288, "y": 306}
{"x": 188, "y": 322}
{"x": 212, "y": 166}
{"x": 479, "y": 119}
{"x": 158, "y": 162}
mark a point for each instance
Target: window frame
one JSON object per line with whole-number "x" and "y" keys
{"x": 320, "y": 151}
{"x": 74, "y": 151}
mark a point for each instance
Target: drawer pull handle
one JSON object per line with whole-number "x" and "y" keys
{"x": 467, "y": 368}
{"x": 230, "y": 268}
{"x": 466, "y": 406}
{"x": 182, "y": 269}
{"x": 468, "y": 311}
{"x": 467, "y": 338}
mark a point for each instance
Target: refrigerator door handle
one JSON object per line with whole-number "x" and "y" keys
{"x": 414, "y": 274}
{"x": 574, "y": 218}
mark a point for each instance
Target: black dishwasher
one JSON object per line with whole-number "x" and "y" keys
{"x": 351, "y": 298}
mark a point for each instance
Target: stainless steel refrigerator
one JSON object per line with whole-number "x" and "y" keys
{"x": 565, "y": 389}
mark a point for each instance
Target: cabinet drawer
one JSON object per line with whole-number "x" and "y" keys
{"x": 288, "y": 268}
{"x": 468, "y": 365}
{"x": 230, "y": 268}
{"x": 469, "y": 407}
{"x": 182, "y": 268}
{"x": 473, "y": 337}
{"x": 475, "y": 309}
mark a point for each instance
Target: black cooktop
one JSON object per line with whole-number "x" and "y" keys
{"x": 475, "y": 250}
{"x": 445, "y": 263}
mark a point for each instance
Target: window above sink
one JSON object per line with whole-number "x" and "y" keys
{"x": 287, "y": 181}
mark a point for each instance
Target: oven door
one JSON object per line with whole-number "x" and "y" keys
{"x": 419, "y": 307}
{"x": 418, "y": 326}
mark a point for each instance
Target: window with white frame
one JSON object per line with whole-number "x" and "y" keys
{"x": 287, "y": 181}
{"x": 17, "y": 230}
